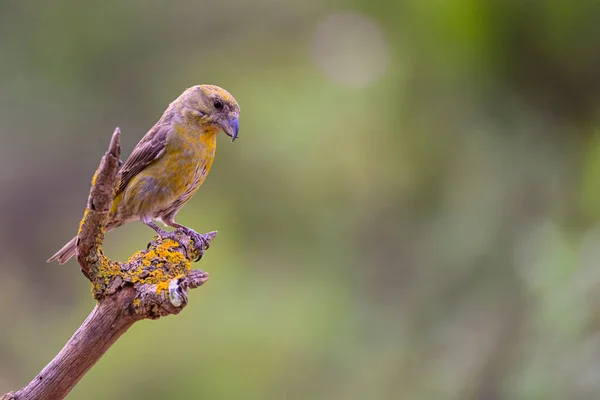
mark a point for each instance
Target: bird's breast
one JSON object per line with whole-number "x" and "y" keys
{"x": 192, "y": 154}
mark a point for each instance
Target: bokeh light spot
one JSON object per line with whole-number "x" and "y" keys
{"x": 350, "y": 49}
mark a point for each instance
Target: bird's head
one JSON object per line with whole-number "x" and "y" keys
{"x": 213, "y": 106}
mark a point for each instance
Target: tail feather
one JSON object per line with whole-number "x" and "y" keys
{"x": 64, "y": 254}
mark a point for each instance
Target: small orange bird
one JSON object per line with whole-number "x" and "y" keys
{"x": 170, "y": 163}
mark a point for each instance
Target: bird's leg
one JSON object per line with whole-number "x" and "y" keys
{"x": 200, "y": 241}
{"x": 161, "y": 232}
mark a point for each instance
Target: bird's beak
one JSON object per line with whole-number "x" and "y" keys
{"x": 231, "y": 127}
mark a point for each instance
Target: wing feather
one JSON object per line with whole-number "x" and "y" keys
{"x": 151, "y": 147}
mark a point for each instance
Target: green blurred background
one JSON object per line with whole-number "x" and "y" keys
{"x": 411, "y": 212}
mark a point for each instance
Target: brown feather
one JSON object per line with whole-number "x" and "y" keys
{"x": 151, "y": 147}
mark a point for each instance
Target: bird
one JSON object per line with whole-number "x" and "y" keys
{"x": 169, "y": 164}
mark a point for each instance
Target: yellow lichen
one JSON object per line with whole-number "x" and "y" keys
{"x": 137, "y": 303}
{"x": 162, "y": 286}
{"x": 85, "y": 217}
{"x": 157, "y": 266}
{"x": 95, "y": 178}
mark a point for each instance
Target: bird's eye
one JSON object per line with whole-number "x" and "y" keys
{"x": 218, "y": 105}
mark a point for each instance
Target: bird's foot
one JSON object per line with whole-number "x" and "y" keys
{"x": 201, "y": 242}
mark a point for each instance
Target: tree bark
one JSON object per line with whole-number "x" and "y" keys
{"x": 152, "y": 283}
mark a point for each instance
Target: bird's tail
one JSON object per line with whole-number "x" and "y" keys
{"x": 64, "y": 254}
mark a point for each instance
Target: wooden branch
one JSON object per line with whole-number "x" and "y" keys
{"x": 91, "y": 228}
{"x": 151, "y": 284}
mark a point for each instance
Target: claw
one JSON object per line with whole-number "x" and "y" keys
{"x": 201, "y": 242}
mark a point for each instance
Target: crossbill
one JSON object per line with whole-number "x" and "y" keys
{"x": 170, "y": 163}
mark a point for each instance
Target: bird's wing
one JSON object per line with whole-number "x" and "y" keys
{"x": 151, "y": 147}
